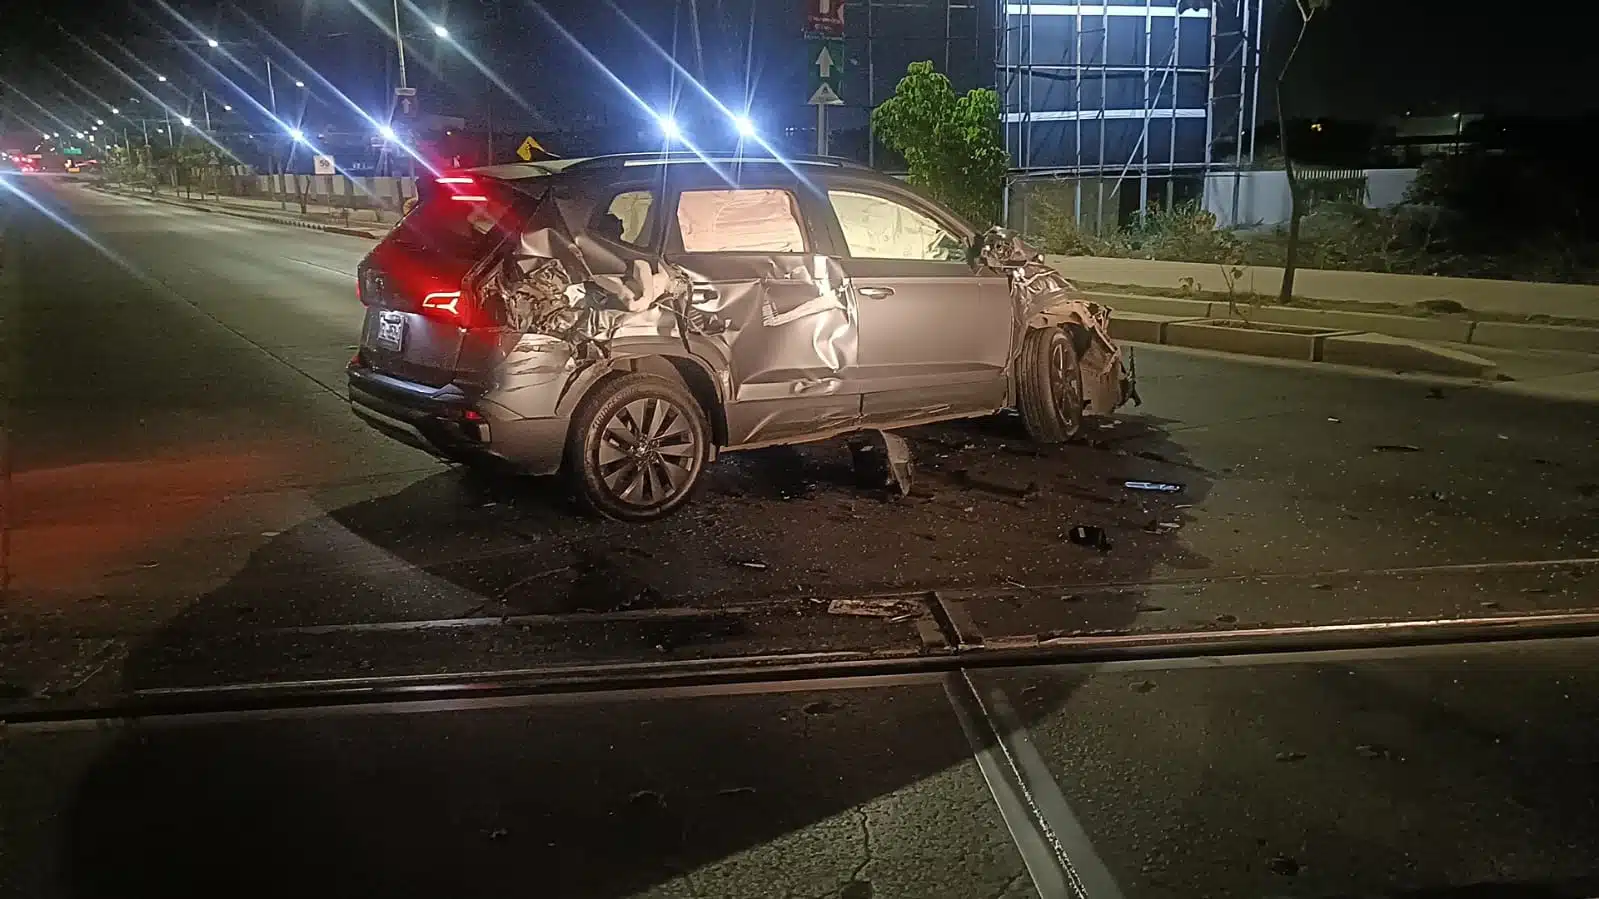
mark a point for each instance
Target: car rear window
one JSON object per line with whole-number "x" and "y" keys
{"x": 463, "y": 220}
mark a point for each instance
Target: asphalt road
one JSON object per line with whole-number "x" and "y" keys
{"x": 1452, "y": 772}
{"x": 189, "y": 501}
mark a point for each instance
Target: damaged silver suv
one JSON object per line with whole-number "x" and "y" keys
{"x": 626, "y": 318}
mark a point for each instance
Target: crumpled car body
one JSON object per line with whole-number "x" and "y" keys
{"x": 794, "y": 301}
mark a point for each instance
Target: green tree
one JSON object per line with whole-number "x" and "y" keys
{"x": 952, "y": 144}
{"x": 1307, "y": 10}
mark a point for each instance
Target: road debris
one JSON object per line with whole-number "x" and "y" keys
{"x": 647, "y": 799}
{"x": 820, "y": 707}
{"x": 1435, "y": 393}
{"x": 875, "y": 608}
{"x": 1143, "y": 686}
{"x": 1336, "y": 421}
{"x": 1153, "y": 486}
{"x": 882, "y": 459}
{"x": 1283, "y": 865}
{"x": 1226, "y": 619}
{"x": 1290, "y": 756}
{"x": 1090, "y": 535}
{"x": 1373, "y": 751}
{"x": 1397, "y": 448}
{"x": 755, "y": 564}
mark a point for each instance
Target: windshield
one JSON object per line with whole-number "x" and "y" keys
{"x": 1024, "y": 456}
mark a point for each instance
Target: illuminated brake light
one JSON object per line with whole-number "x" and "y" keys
{"x": 448, "y": 301}
{"x": 453, "y": 181}
{"x": 469, "y": 198}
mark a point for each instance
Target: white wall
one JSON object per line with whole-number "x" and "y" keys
{"x": 1263, "y": 196}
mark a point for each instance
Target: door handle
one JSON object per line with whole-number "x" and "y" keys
{"x": 876, "y": 293}
{"x": 704, "y": 292}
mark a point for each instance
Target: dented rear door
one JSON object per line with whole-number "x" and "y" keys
{"x": 763, "y": 272}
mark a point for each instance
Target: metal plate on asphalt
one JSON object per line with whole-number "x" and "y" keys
{"x": 391, "y": 331}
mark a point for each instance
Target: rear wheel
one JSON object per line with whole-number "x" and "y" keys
{"x": 637, "y": 447}
{"x": 1049, "y": 386}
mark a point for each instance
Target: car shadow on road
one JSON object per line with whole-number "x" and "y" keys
{"x": 604, "y": 799}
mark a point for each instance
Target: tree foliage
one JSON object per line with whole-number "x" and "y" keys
{"x": 952, "y": 144}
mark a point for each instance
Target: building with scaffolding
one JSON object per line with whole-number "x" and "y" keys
{"x": 1110, "y": 108}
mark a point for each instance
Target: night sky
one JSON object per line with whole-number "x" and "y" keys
{"x": 1362, "y": 58}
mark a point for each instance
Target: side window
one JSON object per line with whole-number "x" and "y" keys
{"x": 740, "y": 221}
{"x": 627, "y": 218}
{"x": 876, "y": 228}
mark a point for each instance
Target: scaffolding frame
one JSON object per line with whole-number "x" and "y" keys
{"x": 1232, "y": 92}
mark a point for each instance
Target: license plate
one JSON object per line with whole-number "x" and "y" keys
{"x": 391, "y": 331}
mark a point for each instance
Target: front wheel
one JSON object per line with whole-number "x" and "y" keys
{"x": 637, "y": 447}
{"x": 1049, "y": 386}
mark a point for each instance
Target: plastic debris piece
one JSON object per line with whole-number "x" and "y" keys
{"x": 1155, "y": 486}
{"x": 1336, "y": 421}
{"x": 1090, "y": 535}
{"x": 874, "y": 608}
{"x": 882, "y": 459}
{"x": 1397, "y": 448}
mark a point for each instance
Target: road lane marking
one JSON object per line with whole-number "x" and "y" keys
{"x": 322, "y": 267}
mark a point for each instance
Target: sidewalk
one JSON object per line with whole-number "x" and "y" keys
{"x": 319, "y": 212}
{"x": 371, "y": 223}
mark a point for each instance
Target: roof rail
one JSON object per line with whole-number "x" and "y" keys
{"x": 688, "y": 157}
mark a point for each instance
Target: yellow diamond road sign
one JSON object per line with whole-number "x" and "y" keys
{"x": 528, "y": 148}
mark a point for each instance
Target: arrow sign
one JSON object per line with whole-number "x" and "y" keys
{"x": 825, "y": 59}
{"x": 824, "y": 63}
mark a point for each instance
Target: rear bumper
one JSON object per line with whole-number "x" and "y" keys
{"x": 453, "y": 424}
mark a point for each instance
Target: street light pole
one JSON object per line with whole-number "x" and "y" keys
{"x": 399, "y": 43}
{"x": 205, "y": 103}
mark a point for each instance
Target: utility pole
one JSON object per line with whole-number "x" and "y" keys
{"x": 272, "y": 151}
{"x": 399, "y": 44}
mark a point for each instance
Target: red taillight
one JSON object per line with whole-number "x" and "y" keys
{"x": 470, "y": 198}
{"x": 454, "y": 179}
{"x": 445, "y": 301}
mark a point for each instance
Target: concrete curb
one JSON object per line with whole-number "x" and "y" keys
{"x": 1339, "y": 347}
{"x": 1503, "y": 335}
{"x": 251, "y": 216}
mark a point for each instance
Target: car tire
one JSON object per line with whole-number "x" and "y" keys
{"x": 1049, "y": 386}
{"x": 637, "y": 448}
